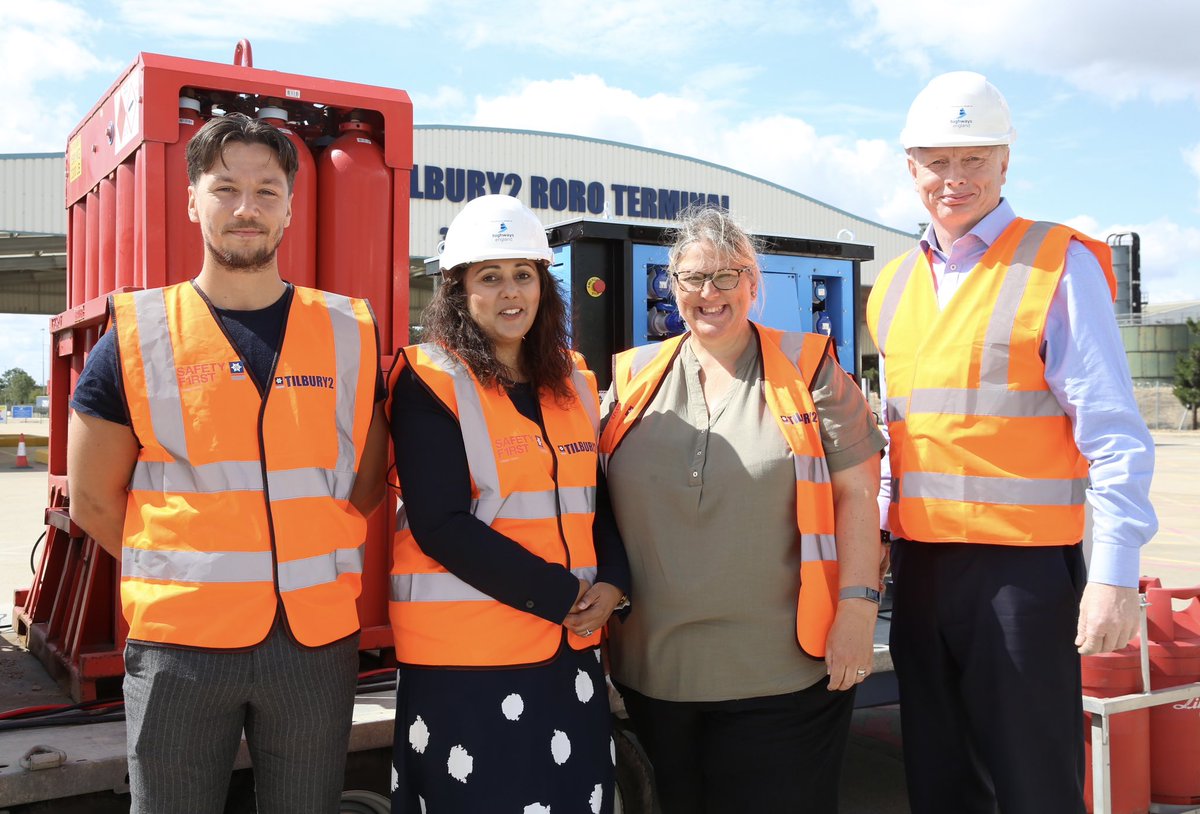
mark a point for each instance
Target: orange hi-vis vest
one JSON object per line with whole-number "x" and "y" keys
{"x": 637, "y": 376}
{"x": 239, "y": 500}
{"x": 981, "y": 451}
{"x": 536, "y": 488}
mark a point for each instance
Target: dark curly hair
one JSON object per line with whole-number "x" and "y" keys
{"x": 545, "y": 353}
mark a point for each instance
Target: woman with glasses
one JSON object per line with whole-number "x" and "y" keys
{"x": 743, "y": 467}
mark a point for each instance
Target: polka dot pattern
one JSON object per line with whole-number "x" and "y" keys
{"x": 460, "y": 764}
{"x": 535, "y": 740}
{"x": 512, "y": 707}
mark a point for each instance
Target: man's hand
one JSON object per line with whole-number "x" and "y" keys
{"x": 1108, "y": 618}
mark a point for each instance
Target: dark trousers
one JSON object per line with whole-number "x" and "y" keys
{"x": 982, "y": 640}
{"x": 781, "y": 753}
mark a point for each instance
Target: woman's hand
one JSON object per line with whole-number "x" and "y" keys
{"x": 591, "y": 611}
{"x": 850, "y": 648}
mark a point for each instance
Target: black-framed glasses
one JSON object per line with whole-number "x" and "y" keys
{"x": 722, "y": 279}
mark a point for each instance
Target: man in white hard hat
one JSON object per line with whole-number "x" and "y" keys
{"x": 1009, "y": 405}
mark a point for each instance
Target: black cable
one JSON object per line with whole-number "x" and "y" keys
{"x": 83, "y": 705}
{"x": 33, "y": 723}
{"x": 33, "y": 551}
{"x": 73, "y": 714}
{"x": 378, "y": 687}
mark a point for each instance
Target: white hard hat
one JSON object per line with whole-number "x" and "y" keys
{"x": 494, "y": 227}
{"x": 958, "y": 109}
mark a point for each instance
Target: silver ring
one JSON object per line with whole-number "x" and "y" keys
{"x": 862, "y": 672}
{"x": 587, "y": 632}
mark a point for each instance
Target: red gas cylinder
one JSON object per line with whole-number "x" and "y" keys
{"x": 1174, "y": 728}
{"x": 1108, "y": 675}
{"x": 298, "y": 251}
{"x": 354, "y": 237}
{"x": 185, "y": 245}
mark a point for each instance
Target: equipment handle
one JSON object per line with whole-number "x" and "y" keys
{"x": 243, "y": 55}
{"x": 1182, "y": 593}
{"x": 1161, "y": 615}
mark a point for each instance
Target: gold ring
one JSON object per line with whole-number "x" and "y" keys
{"x": 587, "y": 632}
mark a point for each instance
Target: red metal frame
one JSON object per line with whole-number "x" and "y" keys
{"x": 116, "y": 193}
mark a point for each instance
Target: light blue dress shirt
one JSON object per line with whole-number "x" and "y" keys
{"x": 1087, "y": 371}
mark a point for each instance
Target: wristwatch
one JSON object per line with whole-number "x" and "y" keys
{"x": 859, "y": 592}
{"x": 622, "y": 603}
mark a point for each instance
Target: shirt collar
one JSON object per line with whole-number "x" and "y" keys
{"x": 986, "y": 231}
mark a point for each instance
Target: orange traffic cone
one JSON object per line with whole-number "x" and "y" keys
{"x": 22, "y": 457}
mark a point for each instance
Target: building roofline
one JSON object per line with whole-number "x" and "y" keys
{"x": 31, "y": 155}
{"x": 656, "y": 151}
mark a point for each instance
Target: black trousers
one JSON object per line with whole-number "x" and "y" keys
{"x": 982, "y": 639}
{"x": 773, "y": 755}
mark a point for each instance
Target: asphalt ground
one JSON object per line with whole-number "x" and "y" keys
{"x": 873, "y": 779}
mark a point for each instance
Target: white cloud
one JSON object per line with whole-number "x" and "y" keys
{"x": 25, "y": 345}
{"x": 1170, "y": 255}
{"x": 47, "y": 40}
{"x": 443, "y": 104}
{"x": 866, "y": 177}
{"x": 621, "y": 30}
{"x": 1191, "y": 157}
{"x": 224, "y": 21}
{"x": 1105, "y": 47}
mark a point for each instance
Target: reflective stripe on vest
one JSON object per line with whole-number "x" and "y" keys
{"x": 993, "y": 461}
{"x": 445, "y": 587}
{"x": 208, "y": 544}
{"x": 166, "y": 409}
{"x": 790, "y": 362}
{"x": 540, "y": 492}
{"x": 239, "y": 566}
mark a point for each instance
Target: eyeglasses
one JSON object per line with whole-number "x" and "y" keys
{"x": 722, "y": 279}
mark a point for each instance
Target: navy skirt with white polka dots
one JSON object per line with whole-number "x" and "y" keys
{"x": 533, "y": 740}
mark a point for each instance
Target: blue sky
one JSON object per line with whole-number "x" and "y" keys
{"x": 812, "y": 95}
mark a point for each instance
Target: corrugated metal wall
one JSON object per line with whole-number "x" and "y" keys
{"x": 31, "y": 188}
{"x": 762, "y": 206}
{"x": 31, "y": 194}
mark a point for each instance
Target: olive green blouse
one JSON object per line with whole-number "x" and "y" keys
{"x": 706, "y": 505}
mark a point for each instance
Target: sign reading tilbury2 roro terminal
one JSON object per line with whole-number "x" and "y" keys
{"x": 460, "y": 184}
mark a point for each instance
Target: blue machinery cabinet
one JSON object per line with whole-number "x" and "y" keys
{"x": 615, "y": 277}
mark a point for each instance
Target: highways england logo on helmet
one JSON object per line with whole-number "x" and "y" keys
{"x": 961, "y": 119}
{"x": 502, "y": 233}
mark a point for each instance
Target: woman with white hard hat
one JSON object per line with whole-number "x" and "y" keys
{"x": 506, "y": 561}
{"x": 743, "y": 463}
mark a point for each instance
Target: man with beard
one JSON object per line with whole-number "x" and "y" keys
{"x": 226, "y": 446}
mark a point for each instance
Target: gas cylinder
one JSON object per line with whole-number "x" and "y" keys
{"x": 298, "y": 252}
{"x": 1174, "y": 728}
{"x": 1108, "y": 675}
{"x": 354, "y": 222}
{"x": 184, "y": 243}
